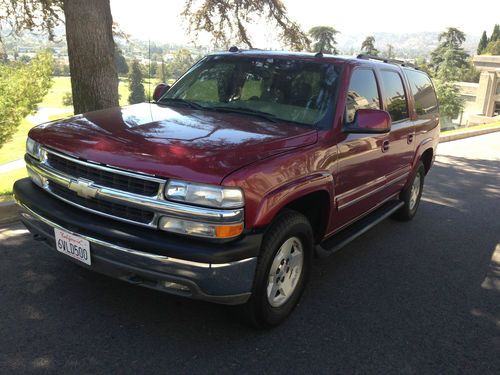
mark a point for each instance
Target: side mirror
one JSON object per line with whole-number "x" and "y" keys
{"x": 159, "y": 91}
{"x": 369, "y": 121}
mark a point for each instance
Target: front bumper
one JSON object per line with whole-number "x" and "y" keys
{"x": 216, "y": 272}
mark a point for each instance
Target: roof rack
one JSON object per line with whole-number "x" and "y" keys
{"x": 388, "y": 61}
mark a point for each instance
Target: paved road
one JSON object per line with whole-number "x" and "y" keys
{"x": 406, "y": 298}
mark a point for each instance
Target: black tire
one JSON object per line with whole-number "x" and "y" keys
{"x": 408, "y": 211}
{"x": 258, "y": 309}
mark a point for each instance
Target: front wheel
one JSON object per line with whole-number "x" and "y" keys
{"x": 282, "y": 270}
{"x": 411, "y": 195}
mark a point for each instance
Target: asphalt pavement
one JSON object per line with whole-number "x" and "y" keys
{"x": 405, "y": 298}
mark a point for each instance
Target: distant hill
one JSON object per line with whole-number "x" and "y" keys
{"x": 407, "y": 45}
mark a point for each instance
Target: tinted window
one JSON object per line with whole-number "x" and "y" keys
{"x": 394, "y": 95}
{"x": 423, "y": 93}
{"x": 362, "y": 93}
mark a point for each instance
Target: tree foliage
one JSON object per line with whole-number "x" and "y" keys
{"x": 483, "y": 42}
{"x": 368, "y": 46}
{"x": 389, "y": 53}
{"x": 137, "y": 94}
{"x": 323, "y": 38}
{"x": 450, "y": 45}
{"x": 493, "y": 46}
{"x": 451, "y": 103}
{"x": 120, "y": 63}
{"x": 228, "y": 20}
{"x": 181, "y": 62}
{"x": 22, "y": 87}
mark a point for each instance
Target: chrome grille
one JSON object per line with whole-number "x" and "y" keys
{"x": 103, "y": 177}
{"x": 109, "y": 208}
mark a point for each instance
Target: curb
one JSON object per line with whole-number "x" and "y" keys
{"x": 8, "y": 212}
{"x": 467, "y": 134}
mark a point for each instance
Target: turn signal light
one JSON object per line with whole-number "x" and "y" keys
{"x": 227, "y": 231}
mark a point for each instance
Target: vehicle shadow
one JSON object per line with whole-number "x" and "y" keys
{"x": 417, "y": 297}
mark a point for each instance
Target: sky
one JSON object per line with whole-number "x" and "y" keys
{"x": 159, "y": 20}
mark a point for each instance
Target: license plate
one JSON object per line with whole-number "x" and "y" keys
{"x": 74, "y": 246}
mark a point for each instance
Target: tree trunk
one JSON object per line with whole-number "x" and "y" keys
{"x": 89, "y": 34}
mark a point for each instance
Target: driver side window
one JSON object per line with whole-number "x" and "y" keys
{"x": 362, "y": 93}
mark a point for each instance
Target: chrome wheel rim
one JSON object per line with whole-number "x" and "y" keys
{"x": 285, "y": 272}
{"x": 415, "y": 190}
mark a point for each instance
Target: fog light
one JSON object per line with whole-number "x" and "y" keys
{"x": 194, "y": 228}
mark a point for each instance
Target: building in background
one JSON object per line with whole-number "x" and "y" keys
{"x": 482, "y": 100}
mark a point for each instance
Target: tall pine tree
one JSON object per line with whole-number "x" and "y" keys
{"x": 136, "y": 87}
{"x": 483, "y": 42}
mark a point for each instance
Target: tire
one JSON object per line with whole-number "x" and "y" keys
{"x": 410, "y": 197}
{"x": 269, "y": 305}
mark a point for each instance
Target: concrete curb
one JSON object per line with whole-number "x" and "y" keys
{"x": 467, "y": 134}
{"x": 8, "y": 212}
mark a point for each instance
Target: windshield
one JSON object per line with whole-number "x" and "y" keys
{"x": 273, "y": 88}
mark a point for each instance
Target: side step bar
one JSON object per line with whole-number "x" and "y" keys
{"x": 342, "y": 238}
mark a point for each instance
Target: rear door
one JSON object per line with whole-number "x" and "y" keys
{"x": 399, "y": 147}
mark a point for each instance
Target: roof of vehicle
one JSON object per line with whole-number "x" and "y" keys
{"x": 360, "y": 59}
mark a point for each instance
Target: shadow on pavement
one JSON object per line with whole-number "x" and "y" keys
{"x": 411, "y": 298}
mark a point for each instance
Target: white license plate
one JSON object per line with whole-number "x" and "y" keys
{"x": 74, "y": 246}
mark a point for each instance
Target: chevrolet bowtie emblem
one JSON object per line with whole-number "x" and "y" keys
{"x": 83, "y": 188}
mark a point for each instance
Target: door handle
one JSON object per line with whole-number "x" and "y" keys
{"x": 410, "y": 138}
{"x": 385, "y": 146}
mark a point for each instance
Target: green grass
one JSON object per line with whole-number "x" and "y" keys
{"x": 14, "y": 149}
{"x": 60, "y": 86}
{"x": 469, "y": 128}
{"x": 7, "y": 179}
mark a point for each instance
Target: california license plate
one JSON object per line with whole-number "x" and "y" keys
{"x": 73, "y": 246}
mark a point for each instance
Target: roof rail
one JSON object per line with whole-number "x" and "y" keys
{"x": 386, "y": 60}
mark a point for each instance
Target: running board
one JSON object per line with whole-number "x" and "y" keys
{"x": 342, "y": 238}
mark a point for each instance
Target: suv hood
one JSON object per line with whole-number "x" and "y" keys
{"x": 178, "y": 142}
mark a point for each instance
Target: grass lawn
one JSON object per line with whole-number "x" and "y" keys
{"x": 476, "y": 127}
{"x": 7, "y": 180}
{"x": 14, "y": 149}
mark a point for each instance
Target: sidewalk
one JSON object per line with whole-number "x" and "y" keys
{"x": 7, "y": 167}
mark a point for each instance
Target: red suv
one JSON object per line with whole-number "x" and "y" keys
{"x": 227, "y": 185}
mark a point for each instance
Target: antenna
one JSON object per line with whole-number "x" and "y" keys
{"x": 149, "y": 69}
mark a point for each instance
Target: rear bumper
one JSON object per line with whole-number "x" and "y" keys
{"x": 221, "y": 273}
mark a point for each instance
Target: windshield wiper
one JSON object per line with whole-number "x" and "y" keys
{"x": 182, "y": 101}
{"x": 246, "y": 111}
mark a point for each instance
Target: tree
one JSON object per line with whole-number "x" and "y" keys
{"x": 483, "y": 42}
{"x": 228, "y": 20}
{"x": 120, "y": 63}
{"x": 324, "y": 39}
{"x": 89, "y": 36}
{"x": 493, "y": 47}
{"x": 161, "y": 72}
{"x": 495, "y": 35}
{"x": 153, "y": 68}
{"x": 368, "y": 46}
{"x": 450, "y": 41}
{"x": 181, "y": 62}
{"x": 389, "y": 54}
{"x": 451, "y": 103}
{"x": 136, "y": 86}
{"x": 22, "y": 87}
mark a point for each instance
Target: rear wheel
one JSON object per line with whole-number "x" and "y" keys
{"x": 282, "y": 270}
{"x": 411, "y": 195}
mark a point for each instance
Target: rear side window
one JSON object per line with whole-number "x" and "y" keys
{"x": 394, "y": 95}
{"x": 423, "y": 93}
{"x": 362, "y": 93}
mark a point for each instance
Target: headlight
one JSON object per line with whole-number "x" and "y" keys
{"x": 204, "y": 195}
{"x": 33, "y": 148}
